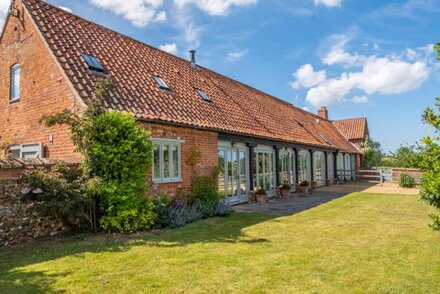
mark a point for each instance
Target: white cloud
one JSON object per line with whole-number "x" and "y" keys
{"x": 360, "y": 99}
{"x": 337, "y": 53}
{"x": 386, "y": 75}
{"x": 233, "y": 56}
{"x": 329, "y": 3}
{"x": 4, "y": 5}
{"x": 65, "y": 8}
{"x": 170, "y": 48}
{"x": 306, "y": 77}
{"x": 139, "y": 12}
{"x": 215, "y": 7}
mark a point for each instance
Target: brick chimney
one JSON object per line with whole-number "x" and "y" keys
{"x": 323, "y": 112}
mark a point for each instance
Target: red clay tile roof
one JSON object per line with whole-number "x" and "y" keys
{"x": 235, "y": 107}
{"x": 353, "y": 129}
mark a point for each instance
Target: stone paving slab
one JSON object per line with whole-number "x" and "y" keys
{"x": 300, "y": 202}
{"x": 291, "y": 205}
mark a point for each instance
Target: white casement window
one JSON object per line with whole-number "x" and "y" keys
{"x": 27, "y": 150}
{"x": 15, "y": 82}
{"x": 167, "y": 166}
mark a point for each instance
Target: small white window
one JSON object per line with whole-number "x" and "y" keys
{"x": 15, "y": 82}
{"x": 27, "y": 150}
{"x": 166, "y": 161}
{"x": 204, "y": 95}
{"x": 161, "y": 83}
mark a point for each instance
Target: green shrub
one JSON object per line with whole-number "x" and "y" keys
{"x": 62, "y": 193}
{"x": 304, "y": 184}
{"x": 286, "y": 186}
{"x": 261, "y": 191}
{"x": 406, "y": 181}
{"x": 117, "y": 151}
{"x": 204, "y": 192}
{"x": 161, "y": 207}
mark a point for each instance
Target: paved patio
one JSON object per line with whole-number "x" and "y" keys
{"x": 300, "y": 202}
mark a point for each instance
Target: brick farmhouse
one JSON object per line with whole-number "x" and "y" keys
{"x": 51, "y": 59}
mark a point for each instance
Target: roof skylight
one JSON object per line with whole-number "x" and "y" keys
{"x": 204, "y": 95}
{"x": 93, "y": 62}
{"x": 161, "y": 83}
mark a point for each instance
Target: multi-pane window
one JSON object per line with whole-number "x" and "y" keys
{"x": 166, "y": 161}
{"x": 286, "y": 166}
{"x": 15, "y": 82}
{"x": 27, "y": 151}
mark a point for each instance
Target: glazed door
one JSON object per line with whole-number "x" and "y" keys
{"x": 233, "y": 174}
{"x": 264, "y": 171}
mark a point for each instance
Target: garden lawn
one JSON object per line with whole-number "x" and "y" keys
{"x": 360, "y": 243}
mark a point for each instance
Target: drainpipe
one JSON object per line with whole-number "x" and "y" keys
{"x": 277, "y": 165}
{"x": 343, "y": 164}
{"x": 312, "y": 173}
{"x": 251, "y": 165}
{"x": 295, "y": 151}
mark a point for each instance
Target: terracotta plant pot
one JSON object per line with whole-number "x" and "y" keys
{"x": 252, "y": 197}
{"x": 313, "y": 185}
{"x": 328, "y": 183}
{"x": 305, "y": 189}
{"x": 261, "y": 198}
{"x": 285, "y": 193}
{"x": 298, "y": 188}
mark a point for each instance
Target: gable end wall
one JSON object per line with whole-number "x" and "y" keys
{"x": 44, "y": 90}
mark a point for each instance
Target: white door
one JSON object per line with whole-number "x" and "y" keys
{"x": 264, "y": 176}
{"x": 319, "y": 166}
{"x": 233, "y": 173}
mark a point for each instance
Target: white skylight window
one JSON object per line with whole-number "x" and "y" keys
{"x": 204, "y": 95}
{"x": 324, "y": 138}
{"x": 161, "y": 83}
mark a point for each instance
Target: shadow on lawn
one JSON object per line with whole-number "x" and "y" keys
{"x": 15, "y": 279}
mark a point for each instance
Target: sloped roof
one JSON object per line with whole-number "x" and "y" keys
{"x": 354, "y": 128}
{"x": 235, "y": 107}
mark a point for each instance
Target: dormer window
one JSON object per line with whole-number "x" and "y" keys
{"x": 161, "y": 83}
{"x": 204, "y": 96}
{"x": 93, "y": 62}
{"x": 15, "y": 82}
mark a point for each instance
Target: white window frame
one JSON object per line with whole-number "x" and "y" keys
{"x": 170, "y": 143}
{"x": 37, "y": 148}
{"x": 14, "y": 68}
{"x": 161, "y": 83}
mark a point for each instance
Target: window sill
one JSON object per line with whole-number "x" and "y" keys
{"x": 14, "y": 101}
{"x": 168, "y": 182}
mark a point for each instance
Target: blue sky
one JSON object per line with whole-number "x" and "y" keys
{"x": 359, "y": 58}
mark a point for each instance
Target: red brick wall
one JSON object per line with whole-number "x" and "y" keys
{"x": 43, "y": 90}
{"x": 205, "y": 141}
{"x": 415, "y": 173}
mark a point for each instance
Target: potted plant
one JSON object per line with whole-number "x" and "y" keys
{"x": 328, "y": 183}
{"x": 313, "y": 185}
{"x": 304, "y": 187}
{"x": 298, "y": 188}
{"x": 285, "y": 189}
{"x": 261, "y": 195}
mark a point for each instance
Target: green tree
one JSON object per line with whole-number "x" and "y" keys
{"x": 405, "y": 157}
{"x": 117, "y": 151}
{"x": 430, "y": 163}
{"x": 372, "y": 153}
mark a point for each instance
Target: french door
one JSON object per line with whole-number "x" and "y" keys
{"x": 287, "y": 168}
{"x": 319, "y": 168}
{"x": 232, "y": 179}
{"x": 264, "y": 175}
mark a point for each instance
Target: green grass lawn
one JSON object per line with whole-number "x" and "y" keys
{"x": 357, "y": 244}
